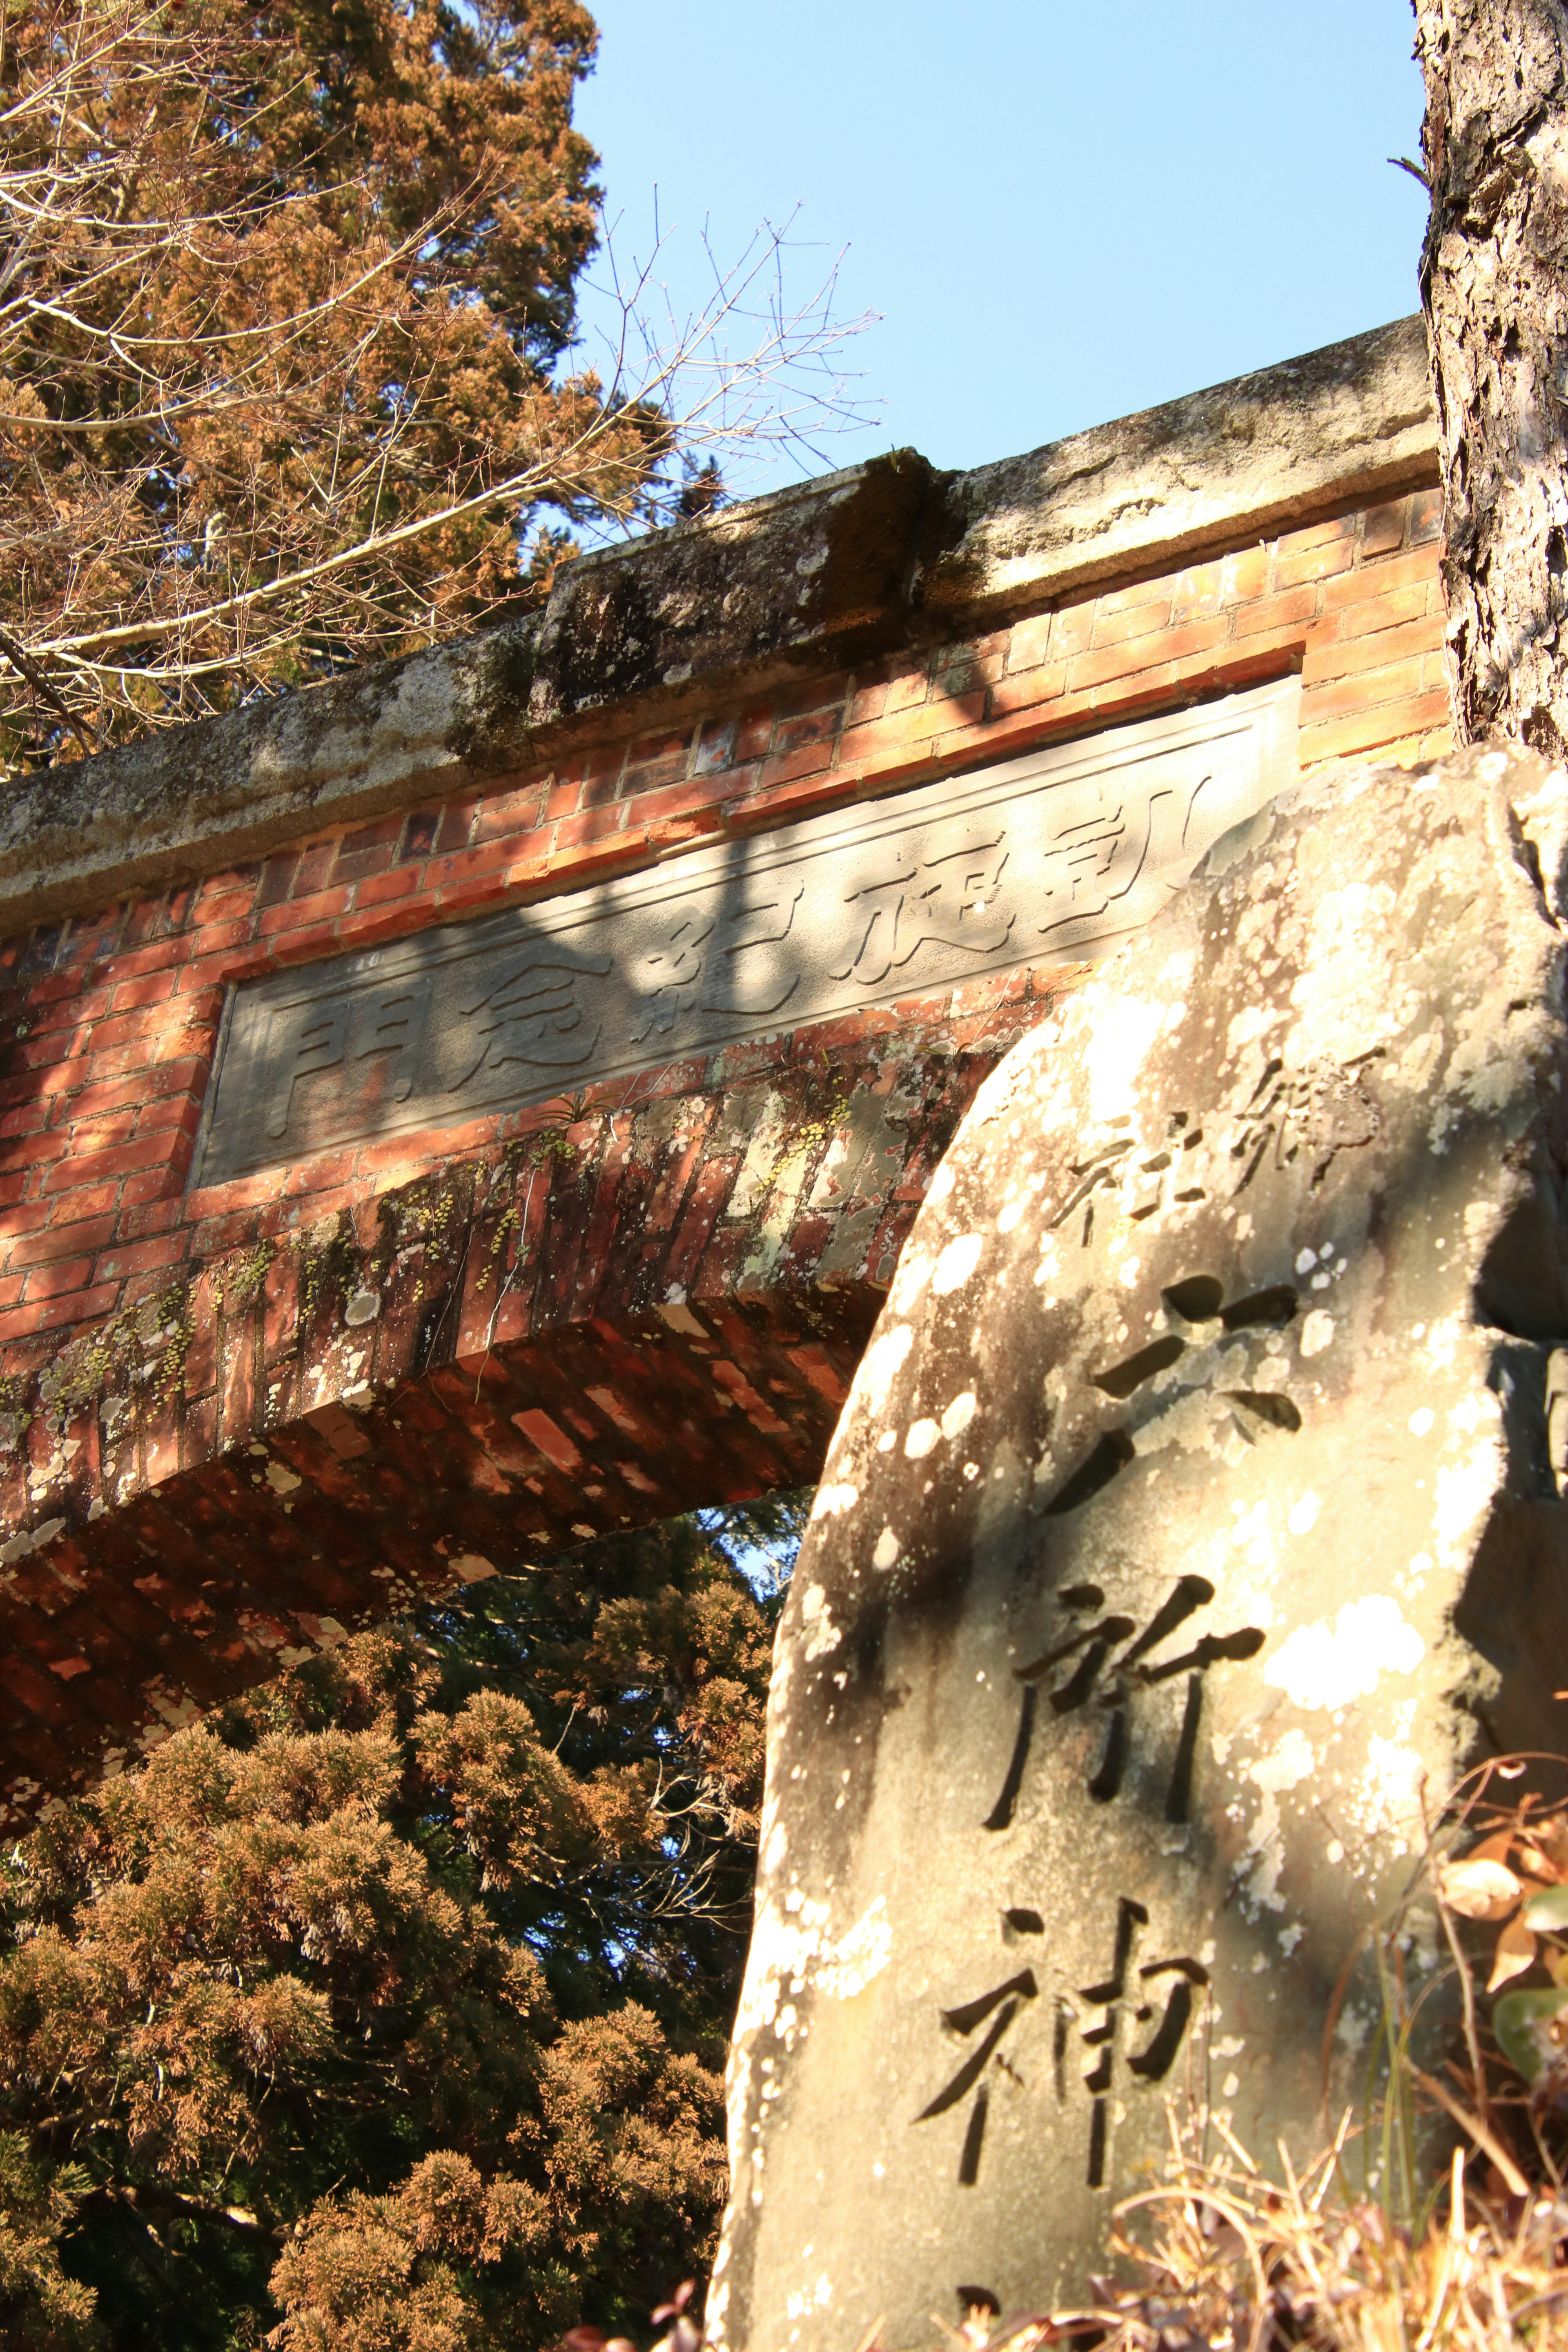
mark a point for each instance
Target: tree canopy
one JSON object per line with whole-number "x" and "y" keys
{"x": 288, "y": 368}
{"x": 389, "y": 2008}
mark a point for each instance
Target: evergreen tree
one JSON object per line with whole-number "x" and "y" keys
{"x": 389, "y": 2008}
{"x": 289, "y": 364}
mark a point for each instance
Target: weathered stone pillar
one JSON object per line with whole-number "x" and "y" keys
{"x": 1191, "y": 1520}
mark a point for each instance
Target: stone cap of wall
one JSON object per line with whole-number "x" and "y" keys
{"x": 814, "y": 578}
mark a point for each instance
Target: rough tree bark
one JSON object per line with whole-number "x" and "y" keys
{"x": 1494, "y": 286}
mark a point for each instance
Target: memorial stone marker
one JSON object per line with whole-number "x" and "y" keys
{"x": 1044, "y": 859}
{"x": 1192, "y": 1520}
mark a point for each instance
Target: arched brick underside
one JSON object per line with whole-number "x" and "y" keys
{"x": 602, "y": 1323}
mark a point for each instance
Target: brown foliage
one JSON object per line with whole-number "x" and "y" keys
{"x": 286, "y": 295}
{"x": 394, "y": 2002}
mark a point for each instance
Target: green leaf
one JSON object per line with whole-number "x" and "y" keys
{"x": 1517, "y": 2021}
{"x": 1548, "y": 1909}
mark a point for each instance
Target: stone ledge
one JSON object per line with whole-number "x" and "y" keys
{"x": 832, "y": 572}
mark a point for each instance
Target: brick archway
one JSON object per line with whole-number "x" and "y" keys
{"x": 613, "y": 1319}
{"x": 249, "y": 1401}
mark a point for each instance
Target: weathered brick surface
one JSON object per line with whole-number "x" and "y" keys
{"x": 597, "y": 1324}
{"x": 151, "y": 1336}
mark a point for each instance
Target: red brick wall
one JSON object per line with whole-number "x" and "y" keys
{"x": 109, "y": 1022}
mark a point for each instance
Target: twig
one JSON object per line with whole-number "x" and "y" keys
{"x": 22, "y": 663}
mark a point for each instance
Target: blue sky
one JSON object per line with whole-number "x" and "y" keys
{"x": 1062, "y": 213}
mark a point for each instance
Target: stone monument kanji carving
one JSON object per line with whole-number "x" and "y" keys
{"x": 1191, "y": 1521}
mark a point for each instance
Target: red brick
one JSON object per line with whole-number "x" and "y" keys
{"x": 1115, "y": 625}
{"x": 889, "y": 735}
{"x": 1031, "y": 642}
{"x": 1247, "y": 574}
{"x": 381, "y": 889}
{"x": 36, "y": 1151}
{"x": 714, "y": 749}
{"x": 510, "y": 814}
{"x": 214, "y": 1235}
{"x": 314, "y": 872}
{"x": 83, "y": 1005}
{"x": 236, "y": 908}
{"x": 38, "y": 1055}
{"x": 1199, "y": 592}
{"x": 829, "y": 790}
{"x": 812, "y": 759}
{"x": 1294, "y": 606}
{"x": 320, "y": 906}
{"x": 53, "y": 989}
{"x": 98, "y": 1167}
{"x": 128, "y": 1259}
{"x": 1337, "y": 530}
{"x": 703, "y": 792}
{"x": 652, "y": 773}
{"x": 595, "y": 792}
{"x": 155, "y": 1183}
{"x": 301, "y": 946}
{"x": 1028, "y": 689}
{"x": 156, "y": 1217}
{"x": 87, "y": 1138}
{"x": 181, "y": 1111}
{"x": 1342, "y": 695}
{"x": 1425, "y": 517}
{"x": 83, "y": 1201}
{"x": 469, "y": 898}
{"x": 163, "y": 955}
{"x": 493, "y": 857}
{"x": 1312, "y": 562}
{"x": 1114, "y": 662}
{"x": 1327, "y": 660}
{"x": 58, "y": 1275}
{"x": 29, "y": 1218}
{"x": 1366, "y": 730}
{"x": 907, "y": 691}
{"x": 139, "y": 1030}
{"x": 369, "y": 840}
{"x": 213, "y": 973}
{"x": 51, "y": 1314}
{"x": 277, "y": 879}
{"x": 1382, "y": 528}
{"x": 819, "y": 727}
{"x": 318, "y": 1174}
{"x": 186, "y": 1073}
{"x": 1401, "y": 604}
{"x": 132, "y": 994}
{"x": 1389, "y": 572}
{"x": 1128, "y": 600}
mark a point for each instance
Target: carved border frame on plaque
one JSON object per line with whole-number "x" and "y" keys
{"x": 1048, "y": 859}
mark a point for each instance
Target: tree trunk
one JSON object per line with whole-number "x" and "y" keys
{"x": 1494, "y": 286}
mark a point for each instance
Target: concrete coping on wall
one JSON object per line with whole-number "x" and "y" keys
{"x": 834, "y": 573}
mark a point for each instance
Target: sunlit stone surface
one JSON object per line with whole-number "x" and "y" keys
{"x": 1192, "y": 1521}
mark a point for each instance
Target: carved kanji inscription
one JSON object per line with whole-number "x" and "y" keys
{"x": 1054, "y": 856}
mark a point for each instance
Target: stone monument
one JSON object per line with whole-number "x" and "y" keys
{"x": 1192, "y": 1520}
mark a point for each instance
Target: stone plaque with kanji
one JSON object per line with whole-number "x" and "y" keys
{"x": 1048, "y": 859}
{"x": 1192, "y": 1520}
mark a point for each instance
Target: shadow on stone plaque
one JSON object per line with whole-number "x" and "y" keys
{"x": 1192, "y": 1523}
